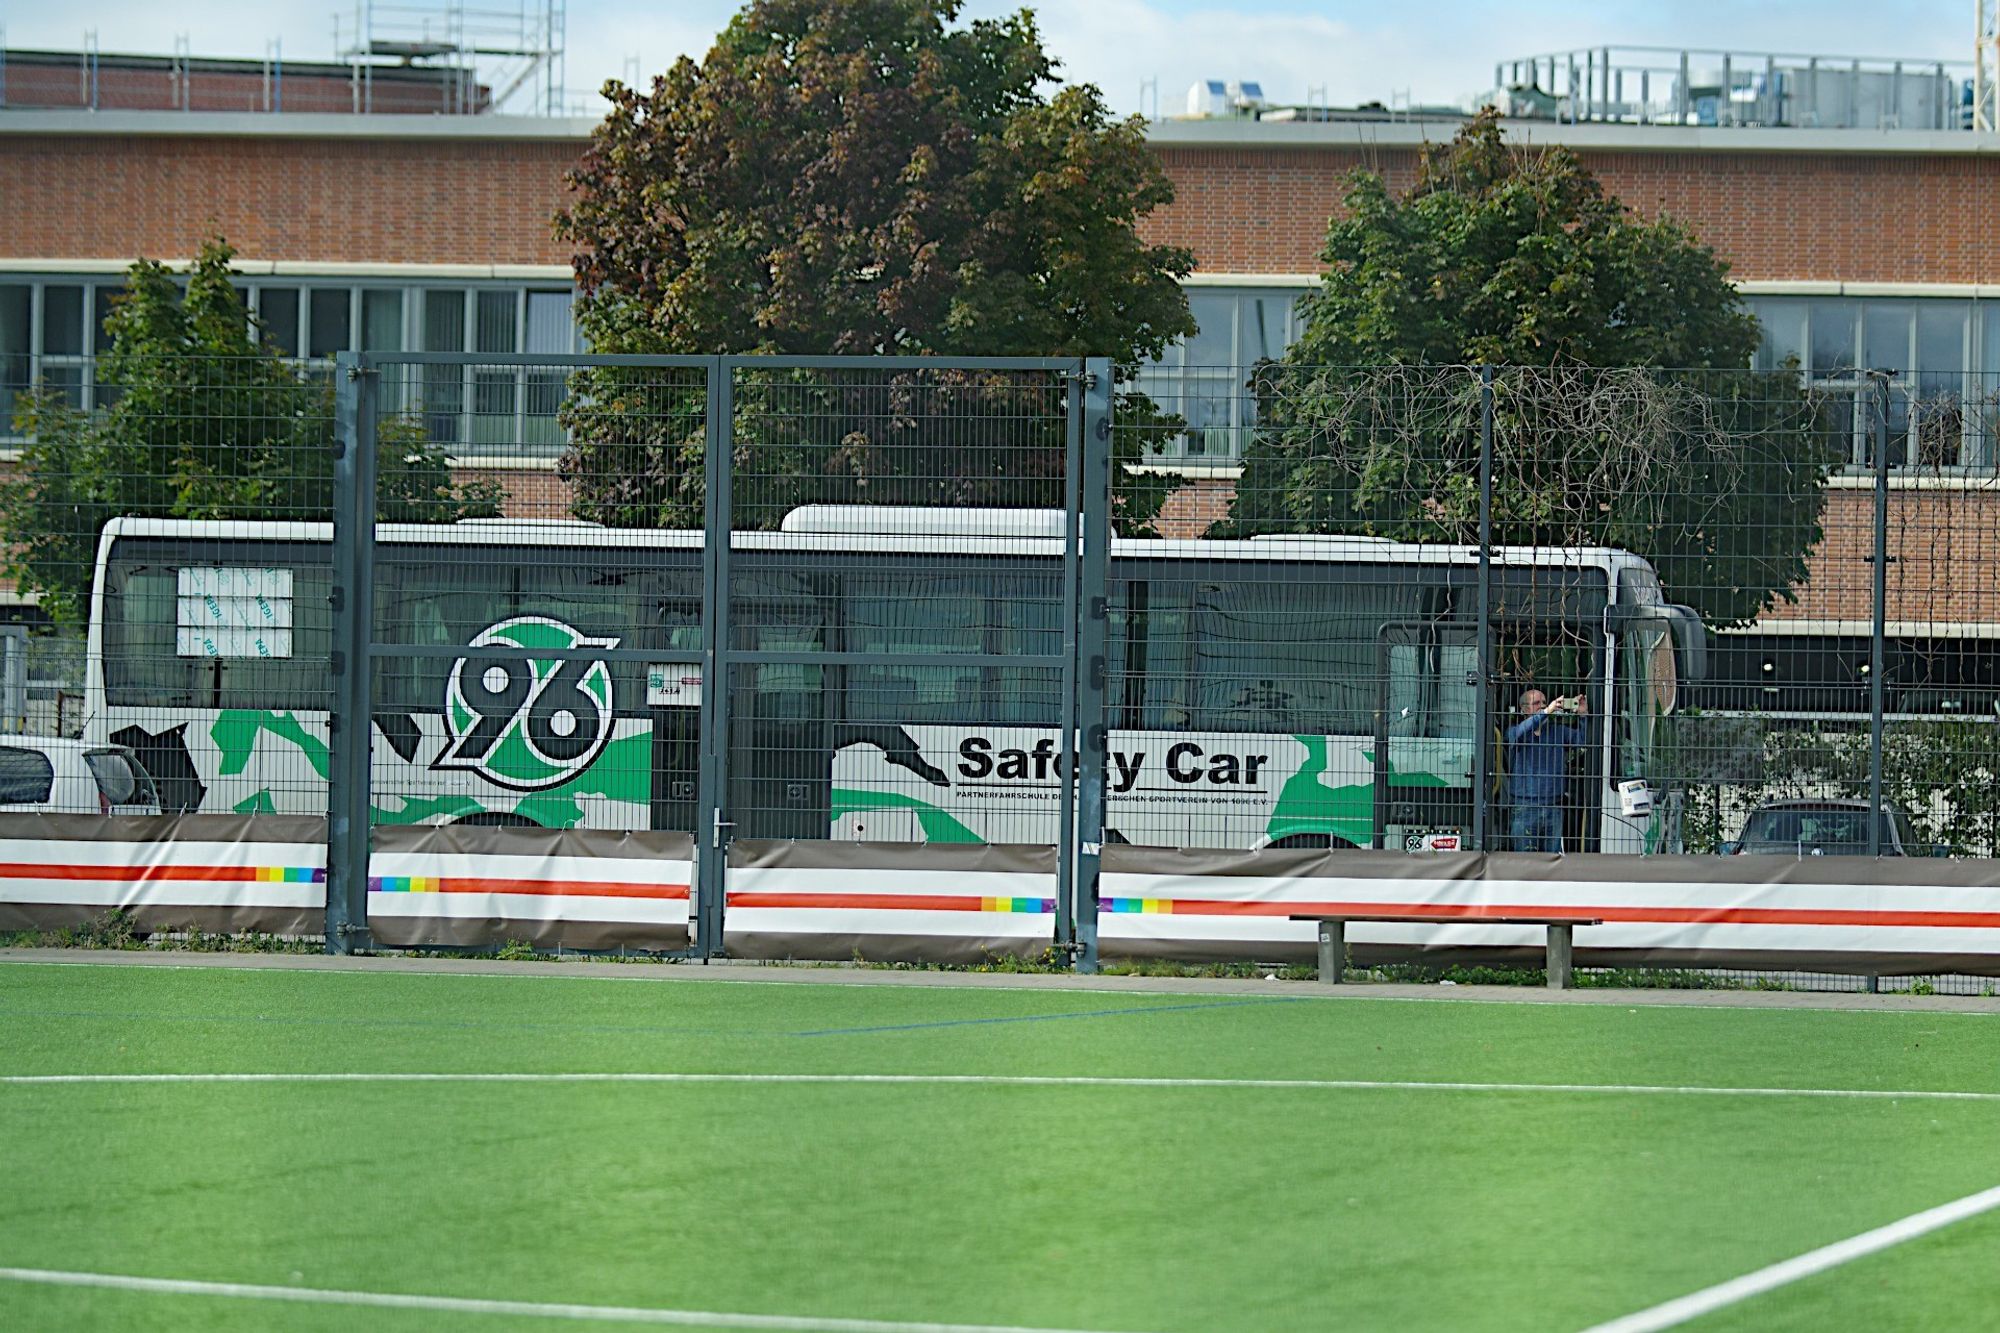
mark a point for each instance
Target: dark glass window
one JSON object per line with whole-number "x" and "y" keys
{"x": 62, "y": 321}
{"x": 447, "y": 597}
{"x": 278, "y": 310}
{"x": 329, "y": 323}
{"x": 26, "y": 777}
{"x": 1014, "y": 611}
{"x": 142, "y": 660}
{"x": 100, "y": 315}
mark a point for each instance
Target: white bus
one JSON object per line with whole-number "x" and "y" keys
{"x": 1310, "y": 691}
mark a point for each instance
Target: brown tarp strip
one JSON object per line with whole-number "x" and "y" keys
{"x": 957, "y": 950}
{"x": 301, "y": 921}
{"x": 475, "y": 840}
{"x": 492, "y": 932}
{"x": 1580, "y": 869}
{"x": 166, "y": 828}
{"x": 953, "y": 858}
{"x": 751, "y": 853}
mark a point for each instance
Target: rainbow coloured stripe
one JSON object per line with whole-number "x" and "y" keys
{"x": 538, "y": 888}
{"x": 1033, "y": 906}
{"x": 291, "y": 874}
{"x": 763, "y": 899}
{"x": 1148, "y": 906}
{"x": 162, "y": 874}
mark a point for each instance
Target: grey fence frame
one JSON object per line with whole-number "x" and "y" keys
{"x": 1081, "y": 660}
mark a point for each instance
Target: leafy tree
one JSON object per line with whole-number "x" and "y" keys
{"x": 205, "y": 421}
{"x": 1623, "y": 415}
{"x": 858, "y": 177}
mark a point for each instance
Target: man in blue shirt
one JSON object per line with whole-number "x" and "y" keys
{"x": 1536, "y": 775}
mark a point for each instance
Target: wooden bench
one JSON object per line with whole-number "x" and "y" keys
{"x": 1333, "y": 936}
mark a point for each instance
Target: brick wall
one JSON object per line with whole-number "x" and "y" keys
{"x": 1943, "y": 546}
{"x": 1189, "y": 510}
{"x": 379, "y": 201}
{"x": 527, "y": 494}
{"x": 1815, "y": 216}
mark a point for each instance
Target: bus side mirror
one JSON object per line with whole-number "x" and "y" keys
{"x": 1690, "y": 643}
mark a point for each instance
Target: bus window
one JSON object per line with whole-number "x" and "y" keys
{"x": 155, "y": 653}
{"x": 426, "y": 604}
{"x": 1293, "y": 656}
{"x": 1001, "y": 612}
{"x": 1432, "y": 691}
{"x": 1649, "y": 692}
{"x": 778, "y": 614}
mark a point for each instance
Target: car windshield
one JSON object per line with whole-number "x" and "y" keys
{"x": 1813, "y": 828}
{"x": 120, "y": 780}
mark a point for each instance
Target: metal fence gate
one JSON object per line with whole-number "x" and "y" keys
{"x": 660, "y": 597}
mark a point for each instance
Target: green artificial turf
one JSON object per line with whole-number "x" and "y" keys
{"x": 1948, "y": 1279}
{"x": 1073, "y": 1207}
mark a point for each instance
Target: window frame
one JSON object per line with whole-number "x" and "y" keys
{"x": 1178, "y": 386}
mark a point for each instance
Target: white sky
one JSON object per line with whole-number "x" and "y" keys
{"x": 1439, "y": 51}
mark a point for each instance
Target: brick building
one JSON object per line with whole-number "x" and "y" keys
{"x": 1857, "y": 248}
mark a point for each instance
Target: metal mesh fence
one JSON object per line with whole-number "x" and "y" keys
{"x": 898, "y": 594}
{"x": 1419, "y": 608}
{"x": 1756, "y": 594}
{"x": 536, "y": 612}
{"x": 178, "y": 527}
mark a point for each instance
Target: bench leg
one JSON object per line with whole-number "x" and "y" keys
{"x": 1332, "y": 950}
{"x": 1561, "y": 939}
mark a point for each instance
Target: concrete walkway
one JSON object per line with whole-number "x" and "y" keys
{"x": 757, "y": 973}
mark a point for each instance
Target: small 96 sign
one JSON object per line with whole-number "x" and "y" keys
{"x": 524, "y": 721}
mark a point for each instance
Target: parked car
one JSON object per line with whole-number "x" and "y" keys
{"x": 54, "y": 776}
{"x": 1814, "y": 827}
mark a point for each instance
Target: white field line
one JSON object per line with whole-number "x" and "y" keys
{"x": 604, "y": 1314}
{"x": 1677, "y": 1312}
{"x": 1016, "y": 1080}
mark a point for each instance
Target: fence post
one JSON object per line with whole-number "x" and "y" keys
{"x": 1095, "y": 533}
{"x": 1481, "y": 759}
{"x": 1876, "y": 643}
{"x": 349, "y": 724}
{"x": 712, "y": 777}
{"x": 1070, "y": 718}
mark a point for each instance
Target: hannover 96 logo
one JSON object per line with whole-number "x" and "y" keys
{"x": 527, "y": 722}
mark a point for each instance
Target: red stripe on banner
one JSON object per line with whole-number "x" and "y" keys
{"x": 881, "y": 902}
{"x": 1440, "y": 912}
{"x": 136, "y": 874}
{"x": 1738, "y": 916}
{"x": 552, "y": 888}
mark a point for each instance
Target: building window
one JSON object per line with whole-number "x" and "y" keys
{"x": 17, "y": 302}
{"x": 1943, "y": 355}
{"x": 381, "y": 321}
{"x": 496, "y": 329}
{"x": 550, "y": 331}
{"x": 278, "y": 315}
{"x": 52, "y": 332}
{"x": 326, "y": 331}
{"x": 1203, "y": 379}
